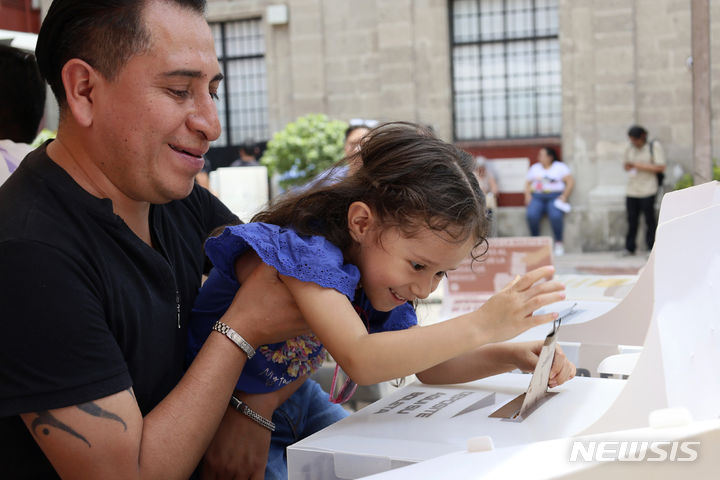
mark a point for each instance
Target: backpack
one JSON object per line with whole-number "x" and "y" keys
{"x": 660, "y": 175}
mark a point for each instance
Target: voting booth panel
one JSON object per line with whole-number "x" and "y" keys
{"x": 676, "y": 297}
{"x": 678, "y": 364}
{"x": 669, "y": 453}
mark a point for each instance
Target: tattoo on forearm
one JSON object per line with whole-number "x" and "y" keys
{"x": 45, "y": 419}
{"x": 92, "y": 409}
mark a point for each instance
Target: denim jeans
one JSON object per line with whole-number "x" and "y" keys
{"x": 542, "y": 204}
{"x": 307, "y": 411}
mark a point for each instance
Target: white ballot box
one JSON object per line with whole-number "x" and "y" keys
{"x": 659, "y": 453}
{"x": 420, "y": 422}
{"x": 675, "y": 301}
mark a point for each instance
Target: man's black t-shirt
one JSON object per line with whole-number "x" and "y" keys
{"x": 87, "y": 309}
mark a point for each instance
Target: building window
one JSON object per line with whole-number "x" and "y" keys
{"x": 242, "y": 104}
{"x": 506, "y": 68}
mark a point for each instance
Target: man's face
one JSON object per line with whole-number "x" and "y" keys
{"x": 637, "y": 142}
{"x": 156, "y": 119}
{"x": 352, "y": 142}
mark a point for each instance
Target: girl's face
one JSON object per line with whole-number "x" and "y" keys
{"x": 396, "y": 269}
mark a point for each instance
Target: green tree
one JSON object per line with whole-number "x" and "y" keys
{"x": 687, "y": 179}
{"x": 305, "y": 148}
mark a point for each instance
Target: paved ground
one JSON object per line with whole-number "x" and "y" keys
{"x": 600, "y": 263}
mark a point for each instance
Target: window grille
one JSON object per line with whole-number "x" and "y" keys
{"x": 505, "y": 69}
{"x": 242, "y": 104}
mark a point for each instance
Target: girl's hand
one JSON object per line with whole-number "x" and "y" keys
{"x": 528, "y": 353}
{"x": 510, "y": 311}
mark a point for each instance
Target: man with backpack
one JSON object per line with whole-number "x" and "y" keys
{"x": 645, "y": 164}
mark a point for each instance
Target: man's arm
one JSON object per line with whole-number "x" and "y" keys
{"x": 240, "y": 446}
{"x": 109, "y": 438}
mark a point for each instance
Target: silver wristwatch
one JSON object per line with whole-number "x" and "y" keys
{"x": 235, "y": 337}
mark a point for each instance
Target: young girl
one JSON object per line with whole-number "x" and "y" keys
{"x": 355, "y": 255}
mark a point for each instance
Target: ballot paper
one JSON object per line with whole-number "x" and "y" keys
{"x": 524, "y": 404}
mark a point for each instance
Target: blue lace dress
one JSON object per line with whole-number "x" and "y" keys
{"x": 307, "y": 258}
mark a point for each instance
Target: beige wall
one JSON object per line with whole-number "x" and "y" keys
{"x": 372, "y": 59}
{"x": 624, "y": 62}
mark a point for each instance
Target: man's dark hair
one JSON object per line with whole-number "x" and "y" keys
{"x": 22, "y": 95}
{"x": 103, "y": 33}
{"x": 636, "y": 131}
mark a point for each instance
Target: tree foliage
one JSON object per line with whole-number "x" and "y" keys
{"x": 687, "y": 179}
{"x": 304, "y": 148}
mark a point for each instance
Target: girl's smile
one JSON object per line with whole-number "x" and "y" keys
{"x": 395, "y": 268}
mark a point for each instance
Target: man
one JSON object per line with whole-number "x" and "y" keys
{"x": 246, "y": 158}
{"x": 22, "y": 105}
{"x": 354, "y": 134}
{"x": 643, "y": 161}
{"x": 101, "y": 234}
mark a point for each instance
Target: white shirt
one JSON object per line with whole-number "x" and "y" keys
{"x": 547, "y": 180}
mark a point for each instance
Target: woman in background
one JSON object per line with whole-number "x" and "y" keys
{"x": 547, "y": 189}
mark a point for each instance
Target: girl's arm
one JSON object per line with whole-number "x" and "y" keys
{"x": 497, "y": 358}
{"x": 369, "y": 359}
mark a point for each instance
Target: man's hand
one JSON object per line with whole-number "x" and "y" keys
{"x": 239, "y": 449}
{"x": 263, "y": 311}
{"x": 240, "y": 446}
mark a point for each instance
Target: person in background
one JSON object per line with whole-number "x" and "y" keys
{"x": 353, "y": 138}
{"x": 22, "y": 105}
{"x": 101, "y": 248}
{"x": 352, "y": 161}
{"x": 644, "y": 160}
{"x": 547, "y": 189}
{"x": 487, "y": 182}
{"x": 247, "y": 157}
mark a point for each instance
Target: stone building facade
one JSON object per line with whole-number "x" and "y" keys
{"x": 622, "y": 62}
